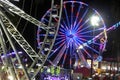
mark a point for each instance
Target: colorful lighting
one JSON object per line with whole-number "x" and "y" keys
{"x": 95, "y": 20}
{"x": 80, "y": 47}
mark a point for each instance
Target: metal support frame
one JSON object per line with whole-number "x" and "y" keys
{"x": 45, "y": 41}
{"x": 13, "y": 47}
{"x": 6, "y": 59}
{"x": 18, "y": 37}
{"x": 10, "y": 29}
{"x": 51, "y": 45}
{"x": 14, "y": 9}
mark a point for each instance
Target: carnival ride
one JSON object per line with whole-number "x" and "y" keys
{"x": 64, "y": 35}
{"x": 75, "y": 32}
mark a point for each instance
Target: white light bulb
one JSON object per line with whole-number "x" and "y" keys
{"x": 80, "y": 47}
{"x": 10, "y": 77}
{"x": 95, "y": 20}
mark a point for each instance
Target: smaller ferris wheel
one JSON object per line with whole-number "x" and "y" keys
{"x": 81, "y": 34}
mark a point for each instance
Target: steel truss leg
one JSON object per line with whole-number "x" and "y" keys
{"x": 12, "y": 45}
{"x": 6, "y": 59}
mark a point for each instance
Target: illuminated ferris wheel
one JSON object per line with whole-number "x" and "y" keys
{"x": 81, "y": 34}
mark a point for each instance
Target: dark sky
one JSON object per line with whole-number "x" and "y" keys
{"x": 109, "y": 10}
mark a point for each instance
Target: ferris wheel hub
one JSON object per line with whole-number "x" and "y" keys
{"x": 71, "y": 36}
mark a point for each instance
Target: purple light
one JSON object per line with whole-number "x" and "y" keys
{"x": 71, "y": 36}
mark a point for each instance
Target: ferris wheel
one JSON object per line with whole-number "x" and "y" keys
{"x": 81, "y": 34}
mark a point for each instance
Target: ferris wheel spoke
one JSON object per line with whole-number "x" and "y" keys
{"x": 92, "y": 31}
{"x": 63, "y": 27}
{"x": 62, "y": 30}
{"x": 71, "y": 54}
{"x": 81, "y": 30}
{"x": 63, "y": 40}
{"x": 79, "y": 21}
{"x": 78, "y": 28}
{"x": 82, "y": 39}
{"x": 64, "y": 24}
{"x": 76, "y": 43}
{"x": 68, "y": 42}
{"x": 60, "y": 37}
{"x": 77, "y": 14}
{"x": 65, "y": 55}
{"x": 77, "y": 40}
{"x": 66, "y": 15}
{"x": 87, "y": 52}
{"x": 72, "y": 10}
{"x": 61, "y": 33}
{"x": 85, "y": 36}
{"x": 81, "y": 56}
{"x": 59, "y": 42}
{"x": 96, "y": 43}
{"x": 56, "y": 50}
{"x": 59, "y": 55}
